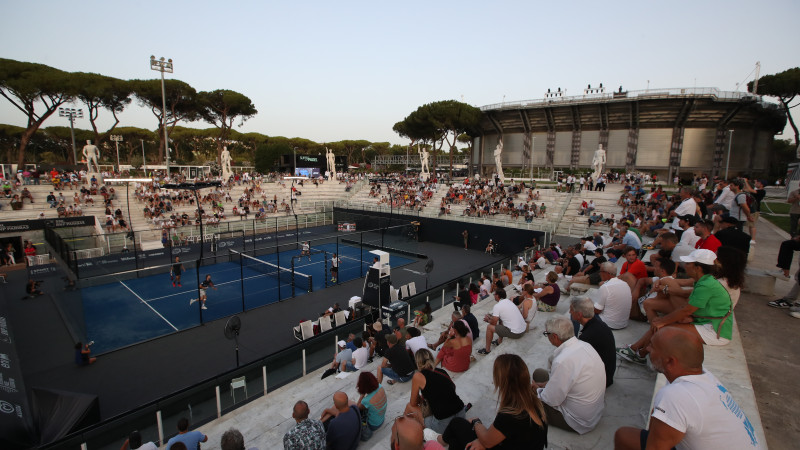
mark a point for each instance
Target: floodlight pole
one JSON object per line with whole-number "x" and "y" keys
{"x": 144, "y": 161}
{"x": 533, "y": 146}
{"x": 116, "y": 138}
{"x": 72, "y": 114}
{"x": 728, "y": 162}
{"x": 163, "y": 66}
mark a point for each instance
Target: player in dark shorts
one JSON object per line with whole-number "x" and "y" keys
{"x": 335, "y": 268}
{"x": 175, "y": 272}
{"x": 207, "y": 283}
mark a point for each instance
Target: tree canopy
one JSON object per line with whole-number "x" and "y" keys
{"x": 785, "y": 86}
{"x": 221, "y": 108}
{"x": 102, "y": 92}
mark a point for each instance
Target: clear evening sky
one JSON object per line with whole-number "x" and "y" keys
{"x": 328, "y": 71}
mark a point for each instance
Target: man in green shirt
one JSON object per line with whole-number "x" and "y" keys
{"x": 708, "y": 314}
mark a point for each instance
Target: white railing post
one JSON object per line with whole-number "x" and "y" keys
{"x": 83, "y": 446}
{"x": 160, "y": 426}
{"x": 219, "y": 403}
{"x": 304, "y": 362}
{"x": 442, "y": 298}
{"x": 264, "y": 375}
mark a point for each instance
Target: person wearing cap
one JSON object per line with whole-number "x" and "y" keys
{"x": 342, "y": 357}
{"x": 707, "y": 240}
{"x": 397, "y": 364}
{"x": 707, "y": 315}
{"x": 687, "y": 207}
{"x": 731, "y": 236}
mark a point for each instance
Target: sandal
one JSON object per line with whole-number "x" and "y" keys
{"x": 496, "y": 342}
{"x": 391, "y": 382}
{"x": 779, "y": 303}
{"x": 483, "y": 351}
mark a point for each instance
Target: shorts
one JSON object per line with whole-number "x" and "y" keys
{"x": 389, "y": 372}
{"x": 503, "y": 331}
{"x": 202, "y": 293}
{"x": 754, "y": 216}
{"x": 709, "y": 335}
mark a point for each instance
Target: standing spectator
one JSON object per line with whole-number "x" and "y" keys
{"x": 694, "y": 410}
{"x": 596, "y": 333}
{"x": 307, "y": 434}
{"x": 574, "y": 391}
{"x": 739, "y": 209}
{"x": 344, "y": 423}
{"x": 794, "y": 210}
{"x": 758, "y": 193}
{"x": 191, "y": 439}
{"x": 505, "y": 321}
{"x": 372, "y": 403}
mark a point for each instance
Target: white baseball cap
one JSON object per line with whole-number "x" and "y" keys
{"x": 701, "y": 256}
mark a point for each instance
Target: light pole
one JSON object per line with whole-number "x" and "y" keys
{"x": 728, "y": 162}
{"x": 533, "y": 146}
{"x": 72, "y": 114}
{"x": 116, "y": 138}
{"x": 163, "y": 66}
{"x": 144, "y": 161}
{"x": 294, "y": 169}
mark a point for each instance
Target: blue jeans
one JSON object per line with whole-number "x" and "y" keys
{"x": 367, "y": 430}
{"x": 389, "y": 372}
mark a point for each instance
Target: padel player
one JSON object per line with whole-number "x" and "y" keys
{"x": 306, "y": 251}
{"x": 207, "y": 283}
{"x": 175, "y": 272}
{"x": 335, "y": 268}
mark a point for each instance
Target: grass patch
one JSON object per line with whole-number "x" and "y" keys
{"x": 775, "y": 207}
{"x": 780, "y": 216}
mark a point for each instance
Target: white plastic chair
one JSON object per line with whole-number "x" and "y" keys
{"x": 324, "y": 324}
{"x": 412, "y": 289}
{"x": 238, "y": 383}
{"x": 304, "y": 331}
{"x": 404, "y": 291}
{"x": 340, "y": 319}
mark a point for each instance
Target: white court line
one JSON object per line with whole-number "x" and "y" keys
{"x": 148, "y": 305}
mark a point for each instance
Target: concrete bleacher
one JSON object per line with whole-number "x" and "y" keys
{"x": 574, "y": 224}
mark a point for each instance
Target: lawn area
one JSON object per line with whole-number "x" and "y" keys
{"x": 780, "y": 216}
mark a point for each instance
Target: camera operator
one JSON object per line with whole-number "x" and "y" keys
{"x": 32, "y": 288}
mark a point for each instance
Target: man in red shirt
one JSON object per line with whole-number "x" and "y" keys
{"x": 633, "y": 269}
{"x": 707, "y": 240}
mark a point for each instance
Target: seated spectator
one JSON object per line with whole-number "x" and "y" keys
{"x": 596, "y": 333}
{"x": 446, "y": 334}
{"x": 666, "y": 294}
{"x": 372, "y": 403}
{"x": 191, "y": 439}
{"x": 505, "y": 321}
{"x": 434, "y": 387}
{"x": 343, "y": 423}
{"x": 694, "y": 410}
{"x": 633, "y": 269}
{"x": 547, "y": 298}
{"x": 612, "y": 300}
{"x": 408, "y": 433}
{"x": 591, "y": 274}
{"x": 573, "y": 391}
{"x": 456, "y": 351}
{"x": 306, "y": 434}
{"x": 360, "y": 356}
{"x": 396, "y": 363}
{"x": 706, "y": 241}
{"x": 342, "y": 357}
{"x": 423, "y": 317}
{"x": 471, "y": 320}
{"x": 520, "y": 421}
{"x": 83, "y": 354}
{"x": 232, "y": 440}
{"x": 416, "y": 340}
{"x": 526, "y": 303}
{"x": 706, "y": 315}
{"x": 731, "y": 236}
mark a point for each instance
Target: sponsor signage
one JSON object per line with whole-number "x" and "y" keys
{"x": 18, "y": 226}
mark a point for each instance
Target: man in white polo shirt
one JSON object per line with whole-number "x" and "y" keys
{"x": 612, "y": 300}
{"x": 687, "y": 207}
{"x": 505, "y": 320}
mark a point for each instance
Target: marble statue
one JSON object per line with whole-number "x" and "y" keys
{"x": 498, "y": 160}
{"x": 225, "y": 162}
{"x": 425, "y": 169}
{"x": 331, "y": 162}
{"x": 598, "y": 161}
{"x": 91, "y": 154}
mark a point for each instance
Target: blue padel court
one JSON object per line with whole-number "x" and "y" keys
{"x": 132, "y": 309}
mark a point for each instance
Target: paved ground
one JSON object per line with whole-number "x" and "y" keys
{"x": 770, "y": 337}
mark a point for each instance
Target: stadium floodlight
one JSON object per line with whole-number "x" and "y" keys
{"x": 162, "y": 66}
{"x": 72, "y": 114}
{"x": 116, "y": 138}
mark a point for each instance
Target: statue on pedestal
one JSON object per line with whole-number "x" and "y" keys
{"x": 425, "y": 170}
{"x": 598, "y": 162}
{"x": 225, "y": 162}
{"x": 498, "y": 160}
{"x": 91, "y": 154}
{"x": 331, "y": 162}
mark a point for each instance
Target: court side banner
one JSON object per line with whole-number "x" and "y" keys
{"x": 16, "y": 423}
{"x": 18, "y": 226}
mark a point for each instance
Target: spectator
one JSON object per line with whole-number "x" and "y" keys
{"x": 456, "y": 351}
{"x": 505, "y": 321}
{"x": 416, "y": 340}
{"x": 423, "y": 317}
{"x": 232, "y": 440}
{"x": 306, "y": 434}
{"x": 471, "y": 320}
{"x": 343, "y": 423}
{"x": 342, "y": 357}
{"x": 360, "y": 356}
{"x": 687, "y": 240}
{"x": 396, "y": 364}
{"x": 739, "y": 210}
{"x": 731, "y": 236}
{"x": 83, "y": 354}
{"x": 633, "y": 268}
{"x": 687, "y": 207}
{"x": 520, "y": 421}
{"x": 573, "y": 393}
{"x": 612, "y": 300}
{"x": 433, "y": 386}
{"x": 590, "y": 275}
{"x": 191, "y": 439}
{"x": 709, "y": 309}
{"x": 134, "y": 442}
{"x": 550, "y": 294}
{"x": 596, "y": 333}
{"x": 372, "y": 403}
{"x": 694, "y": 410}
{"x": 758, "y": 193}
{"x": 408, "y": 433}
{"x": 706, "y": 241}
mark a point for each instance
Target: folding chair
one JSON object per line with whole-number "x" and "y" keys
{"x": 340, "y": 319}
{"x": 304, "y": 331}
{"x": 412, "y": 288}
{"x": 324, "y": 324}
{"x": 238, "y": 383}
{"x": 403, "y": 291}
{"x": 393, "y": 294}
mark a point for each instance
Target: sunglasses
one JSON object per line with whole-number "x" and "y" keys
{"x": 547, "y": 333}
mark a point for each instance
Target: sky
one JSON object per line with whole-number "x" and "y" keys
{"x": 328, "y": 71}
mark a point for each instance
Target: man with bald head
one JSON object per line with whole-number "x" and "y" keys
{"x": 693, "y": 411}
{"x": 343, "y": 422}
{"x": 307, "y": 433}
{"x": 408, "y": 434}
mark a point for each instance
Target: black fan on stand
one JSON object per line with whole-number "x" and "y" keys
{"x": 232, "y": 329}
{"x": 428, "y": 270}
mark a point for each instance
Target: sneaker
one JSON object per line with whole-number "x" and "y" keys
{"x": 203, "y": 307}
{"x": 795, "y": 307}
{"x": 779, "y": 303}
{"x": 192, "y": 301}
{"x": 180, "y": 285}
{"x": 496, "y": 342}
{"x": 778, "y": 273}
{"x": 483, "y": 351}
{"x": 629, "y": 354}
{"x": 173, "y": 284}
{"x": 795, "y": 314}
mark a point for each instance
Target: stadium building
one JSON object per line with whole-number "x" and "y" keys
{"x": 677, "y": 131}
